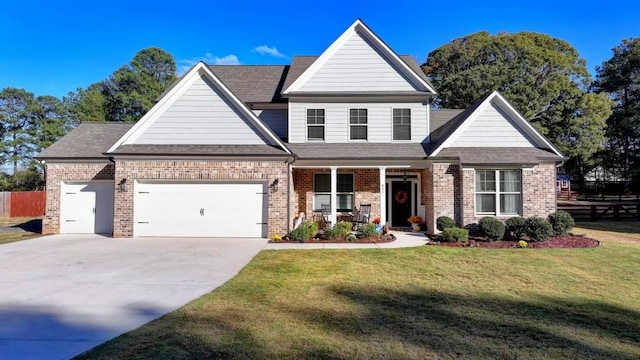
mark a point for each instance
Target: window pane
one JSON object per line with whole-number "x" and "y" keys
{"x": 358, "y": 133}
{"x": 315, "y": 132}
{"x": 345, "y": 202}
{"x": 401, "y": 132}
{"x": 345, "y": 182}
{"x": 322, "y": 183}
{"x": 485, "y": 180}
{"x": 320, "y": 200}
{"x": 485, "y": 203}
{"x": 315, "y": 116}
{"x": 510, "y": 181}
{"x": 358, "y": 116}
{"x": 510, "y": 204}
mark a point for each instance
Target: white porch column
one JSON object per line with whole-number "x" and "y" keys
{"x": 383, "y": 195}
{"x": 334, "y": 192}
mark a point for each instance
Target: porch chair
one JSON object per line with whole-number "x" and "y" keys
{"x": 361, "y": 216}
{"x": 321, "y": 217}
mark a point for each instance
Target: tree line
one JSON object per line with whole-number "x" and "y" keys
{"x": 29, "y": 124}
{"x": 592, "y": 121}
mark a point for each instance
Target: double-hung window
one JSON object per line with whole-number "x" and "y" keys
{"x": 498, "y": 192}
{"x": 315, "y": 124}
{"x": 358, "y": 124}
{"x": 322, "y": 192}
{"x": 401, "y": 124}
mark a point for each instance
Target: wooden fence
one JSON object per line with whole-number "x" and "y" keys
{"x": 595, "y": 212}
{"x": 22, "y": 203}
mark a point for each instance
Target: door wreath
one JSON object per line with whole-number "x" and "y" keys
{"x": 401, "y": 197}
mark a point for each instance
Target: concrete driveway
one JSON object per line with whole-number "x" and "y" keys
{"x": 62, "y": 295}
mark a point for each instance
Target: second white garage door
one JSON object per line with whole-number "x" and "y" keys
{"x": 200, "y": 209}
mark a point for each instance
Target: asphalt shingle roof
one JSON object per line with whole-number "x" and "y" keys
{"x": 87, "y": 141}
{"x": 442, "y": 116}
{"x": 203, "y": 150}
{"x": 253, "y": 83}
{"x": 309, "y": 151}
{"x": 497, "y": 155}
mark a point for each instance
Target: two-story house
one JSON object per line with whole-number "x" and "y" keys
{"x": 238, "y": 151}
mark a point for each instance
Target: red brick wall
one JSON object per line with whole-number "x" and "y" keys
{"x": 446, "y": 193}
{"x": 201, "y": 170}
{"x": 56, "y": 173}
{"x": 366, "y": 188}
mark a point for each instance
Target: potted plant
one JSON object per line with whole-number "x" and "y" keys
{"x": 415, "y": 220}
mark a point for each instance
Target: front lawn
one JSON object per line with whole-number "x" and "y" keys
{"x": 417, "y": 303}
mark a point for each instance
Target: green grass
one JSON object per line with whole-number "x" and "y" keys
{"x": 418, "y": 303}
{"x": 9, "y": 237}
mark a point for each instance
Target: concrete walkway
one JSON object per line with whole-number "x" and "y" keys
{"x": 62, "y": 295}
{"x": 403, "y": 239}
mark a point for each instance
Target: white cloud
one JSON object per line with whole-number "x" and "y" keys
{"x": 266, "y": 50}
{"x": 186, "y": 64}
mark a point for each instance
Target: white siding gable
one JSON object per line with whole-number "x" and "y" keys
{"x": 492, "y": 128}
{"x": 357, "y": 66}
{"x": 201, "y": 115}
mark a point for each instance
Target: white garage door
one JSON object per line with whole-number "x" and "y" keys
{"x": 200, "y": 209}
{"x": 86, "y": 208}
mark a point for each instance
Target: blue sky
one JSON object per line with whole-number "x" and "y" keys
{"x": 53, "y": 47}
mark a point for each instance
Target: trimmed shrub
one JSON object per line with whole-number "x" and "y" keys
{"x": 455, "y": 234}
{"x": 537, "y": 228}
{"x": 492, "y": 228}
{"x": 303, "y": 232}
{"x": 445, "y": 222}
{"x": 340, "y": 230}
{"x": 368, "y": 230}
{"x": 515, "y": 227}
{"x": 351, "y": 238}
{"x": 561, "y": 222}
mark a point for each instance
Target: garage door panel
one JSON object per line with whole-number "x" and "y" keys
{"x": 199, "y": 210}
{"x": 86, "y": 208}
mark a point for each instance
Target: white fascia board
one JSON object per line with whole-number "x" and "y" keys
{"x": 339, "y": 43}
{"x": 199, "y": 69}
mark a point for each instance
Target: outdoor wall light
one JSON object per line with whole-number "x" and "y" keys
{"x": 274, "y": 185}
{"x": 122, "y": 185}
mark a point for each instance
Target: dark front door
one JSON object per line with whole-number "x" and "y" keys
{"x": 401, "y": 200}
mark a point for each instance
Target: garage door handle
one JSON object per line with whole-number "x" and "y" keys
{"x": 202, "y": 212}
{"x": 93, "y": 210}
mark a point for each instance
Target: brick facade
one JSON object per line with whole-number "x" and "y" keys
{"x": 453, "y": 190}
{"x": 266, "y": 171}
{"x": 56, "y": 174}
{"x": 366, "y": 189}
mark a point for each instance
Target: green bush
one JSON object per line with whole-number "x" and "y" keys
{"x": 351, "y": 238}
{"x": 444, "y": 222}
{"x": 455, "y": 234}
{"x": 537, "y": 228}
{"x": 303, "y": 232}
{"x": 368, "y": 230}
{"x": 515, "y": 227}
{"x": 492, "y": 228}
{"x": 561, "y": 222}
{"x": 340, "y": 230}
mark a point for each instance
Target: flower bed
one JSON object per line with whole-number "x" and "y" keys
{"x": 554, "y": 242}
{"x": 320, "y": 238}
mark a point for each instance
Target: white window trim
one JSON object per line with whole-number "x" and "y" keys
{"x": 349, "y": 125}
{"x": 410, "y": 124}
{"x": 497, "y": 193}
{"x": 314, "y": 193}
{"x": 306, "y": 125}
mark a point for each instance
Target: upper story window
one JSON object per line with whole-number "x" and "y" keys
{"x": 358, "y": 124}
{"x": 498, "y": 192}
{"x": 315, "y": 124}
{"x": 401, "y": 124}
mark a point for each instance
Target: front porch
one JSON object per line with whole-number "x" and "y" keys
{"x": 395, "y": 191}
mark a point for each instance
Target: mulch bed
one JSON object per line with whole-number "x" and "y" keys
{"x": 322, "y": 240}
{"x": 556, "y": 242}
